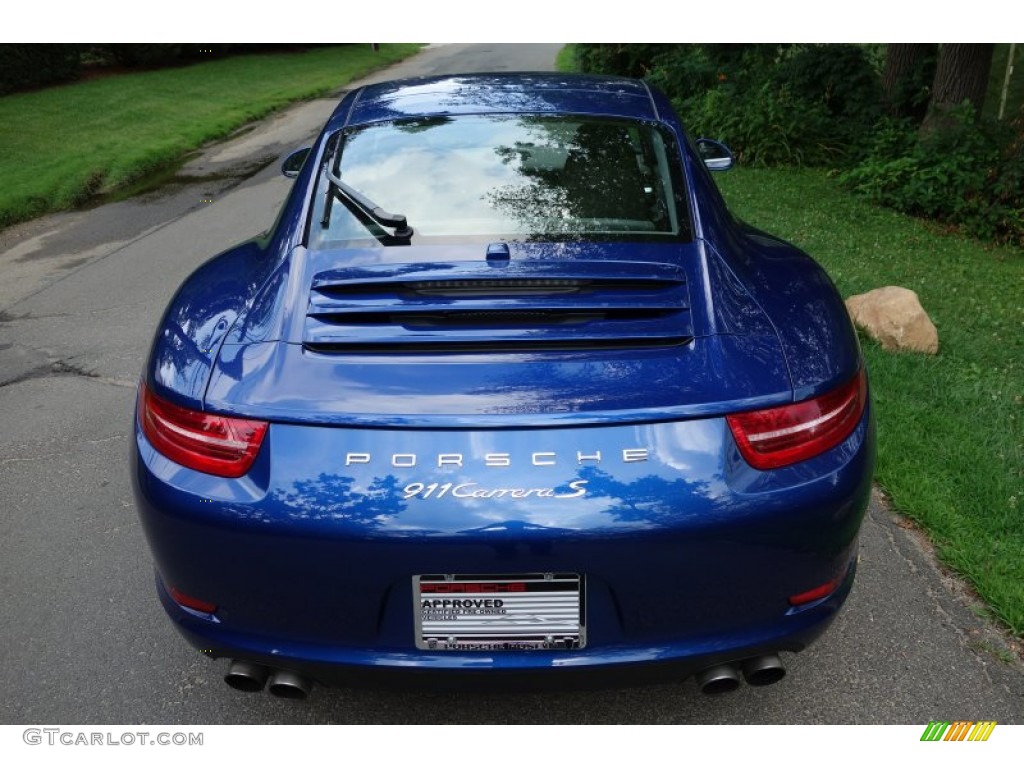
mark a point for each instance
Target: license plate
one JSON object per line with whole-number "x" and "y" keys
{"x": 537, "y": 611}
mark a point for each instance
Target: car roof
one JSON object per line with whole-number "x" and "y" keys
{"x": 496, "y": 93}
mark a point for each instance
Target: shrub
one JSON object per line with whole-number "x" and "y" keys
{"x": 823, "y": 105}
{"x": 774, "y": 104}
{"x": 838, "y": 77}
{"x": 148, "y": 54}
{"x": 629, "y": 60}
{"x": 969, "y": 174}
{"x": 33, "y": 66}
{"x": 766, "y": 125}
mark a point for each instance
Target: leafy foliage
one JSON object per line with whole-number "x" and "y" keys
{"x": 773, "y": 104}
{"x": 968, "y": 173}
{"x": 147, "y": 54}
{"x": 27, "y": 67}
{"x": 32, "y": 66}
{"x": 767, "y": 125}
{"x": 630, "y": 60}
{"x": 823, "y": 105}
{"x": 153, "y": 55}
{"x": 839, "y": 78}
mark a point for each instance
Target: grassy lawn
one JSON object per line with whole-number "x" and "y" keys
{"x": 59, "y": 146}
{"x": 950, "y": 427}
{"x": 565, "y": 61}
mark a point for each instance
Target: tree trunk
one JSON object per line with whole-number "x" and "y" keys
{"x": 961, "y": 73}
{"x": 903, "y": 79}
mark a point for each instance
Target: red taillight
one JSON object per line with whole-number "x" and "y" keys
{"x": 817, "y": 593}
{"x": 191, "y": 602}
{"x": 206, "y": 442}
{"x": 776, "y": 437}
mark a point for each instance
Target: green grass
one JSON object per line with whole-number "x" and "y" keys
{"x": 950, "y": 427}
{"x": 565, "y": 61}
{"x": 59, "y": 146}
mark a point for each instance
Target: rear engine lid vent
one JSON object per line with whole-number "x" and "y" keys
{"x": 530, "y": 307}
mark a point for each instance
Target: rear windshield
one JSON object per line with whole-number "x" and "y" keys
{"x": 521, "y": 177}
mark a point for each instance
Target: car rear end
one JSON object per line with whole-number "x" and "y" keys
{"x": 565, "y": 452}
{"x": 670, "y": 547}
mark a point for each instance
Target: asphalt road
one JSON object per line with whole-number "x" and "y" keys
{"x": 82, "y": 637}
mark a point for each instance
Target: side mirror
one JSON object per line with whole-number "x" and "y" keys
{"x": 716, "y": 156}
{"x": 294, "y": 162}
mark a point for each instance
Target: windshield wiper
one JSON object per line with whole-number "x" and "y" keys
{"x": 366, "y": 206}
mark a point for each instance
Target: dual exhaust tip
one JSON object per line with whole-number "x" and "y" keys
{"x": 251, "y": 678}
{"x": 758, "y": 670}
{"x": 721, "y": 678}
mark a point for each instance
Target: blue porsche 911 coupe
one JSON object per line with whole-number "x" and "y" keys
{"x": 505, "y": 394}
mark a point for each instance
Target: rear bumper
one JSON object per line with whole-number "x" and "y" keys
{"x": 689, "y": 556}
{"x": 532, "y": 670}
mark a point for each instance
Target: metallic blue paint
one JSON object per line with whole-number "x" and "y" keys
{"x": 495, "y": 94}
{"x": 689, "y": 550}
{"x": 689, "y": 556}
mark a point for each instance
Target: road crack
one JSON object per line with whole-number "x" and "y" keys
{"x": 58, "y": 454}
{"x": 55, "y": 368}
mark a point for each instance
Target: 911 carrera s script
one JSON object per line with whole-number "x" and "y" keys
{"x": 576, "y": 489}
